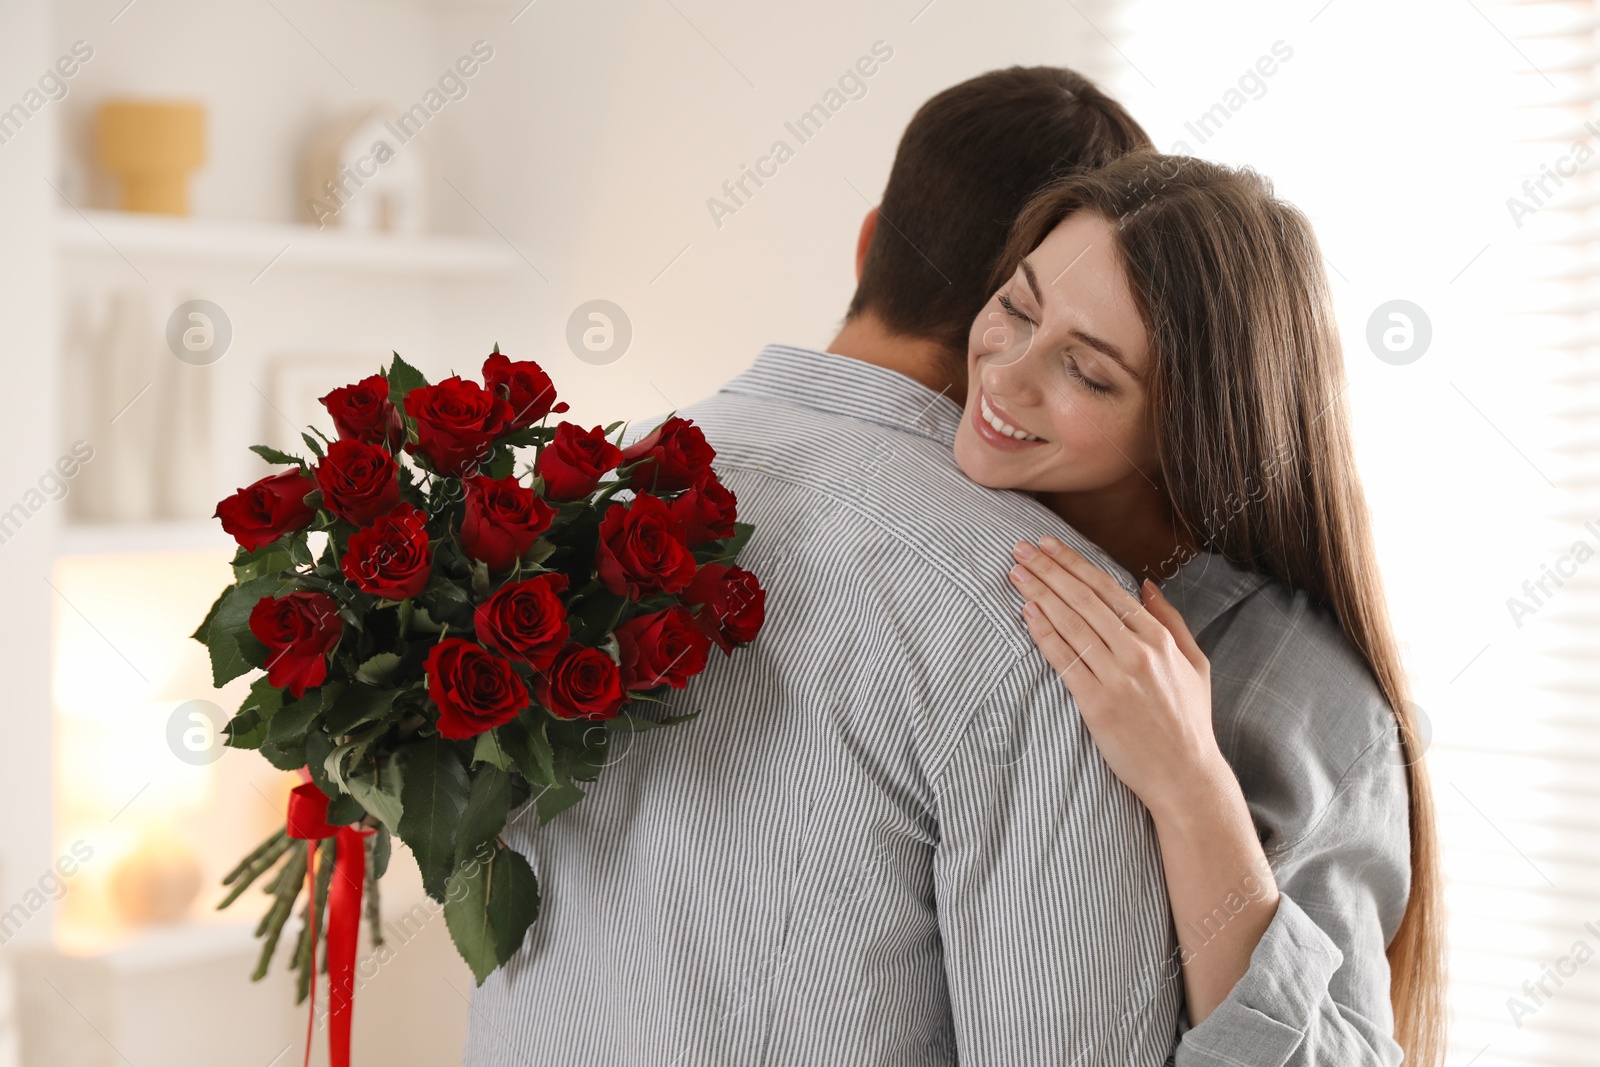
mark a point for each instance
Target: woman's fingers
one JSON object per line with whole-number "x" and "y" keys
{"x": 1071, "y": 587}
{"x": 1064, "y": 621}
{"x": 1128, "y": 608}
{"x": 1162, "y": 610}
{"x": 1069, "y": 664}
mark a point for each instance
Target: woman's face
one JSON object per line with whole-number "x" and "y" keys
{"x": 1057, "y": 363}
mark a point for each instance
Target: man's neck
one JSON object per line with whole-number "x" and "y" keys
{"x": 865, "y": 338}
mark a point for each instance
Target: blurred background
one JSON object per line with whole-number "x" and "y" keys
{"x": 213, "y": 213}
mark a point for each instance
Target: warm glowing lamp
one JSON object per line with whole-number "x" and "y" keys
{"x": 152, "y": 147}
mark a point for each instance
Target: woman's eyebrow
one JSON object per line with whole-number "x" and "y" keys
{"x": 1099, "y": 344}
{"x": 1033, "y": 282}
{"x": 1106, "y": 348}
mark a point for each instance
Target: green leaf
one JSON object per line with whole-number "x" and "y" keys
{"x": 211, "y": 613}
{"x": 403, "y": 378}
{"x": 313, "y": 444}
{"x": 488, "y": 749}
{"x": 272, "y": 455}
{"x": 380, "y": 852}
{"x": 523, "y": 739}
{"x": 638, "y": 724}
{"x": 580, "y": 748}
{"x": 433, "y": 796}
{"x": 513, "y": 901}
{"x": 485, "y": 815}
{"x": 318, "y": 746}
{"x": 271, "y": 559}
{"x": 489, "y": 907}
{"x": 229, "y": 620}
{"x": 500, "y": 464}
{"x": 287, "y": 755}
{"x": 358, "y": 704}
{"x": 294, "y": 719}
{"x": 379, "y": 792}
{"x": 557, "y": 799}
{"x": 728, "y": 549}
{"x": 344, "y": 809}
{"x": 247, "y": 729}
{"x": 379, "y": 669}
{"x": 446, "y": 601}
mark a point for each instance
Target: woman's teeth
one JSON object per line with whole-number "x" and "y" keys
{"x": 1000, "y": 425}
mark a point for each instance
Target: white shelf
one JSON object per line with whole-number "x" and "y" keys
{"x": 118, "y": 538}
{"x": 285, "y": 246}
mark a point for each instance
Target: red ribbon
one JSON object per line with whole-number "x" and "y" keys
{"x": 308, "y": 820}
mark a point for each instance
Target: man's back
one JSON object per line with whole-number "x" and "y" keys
{"x": 887, "y": 838}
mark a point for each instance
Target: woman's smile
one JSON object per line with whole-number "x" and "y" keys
{"x": 996, "y": 431}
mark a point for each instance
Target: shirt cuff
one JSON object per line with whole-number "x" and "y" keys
{"x": 1265, "y": 1017}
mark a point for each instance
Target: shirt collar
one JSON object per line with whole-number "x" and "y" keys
{"x": 850, "y": 387}
{"x": 1205, "y": 587}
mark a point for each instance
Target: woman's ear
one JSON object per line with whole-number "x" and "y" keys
{"x": 869, "y": 225}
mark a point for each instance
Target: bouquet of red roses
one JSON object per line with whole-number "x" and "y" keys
{"x": 460, "y": 641}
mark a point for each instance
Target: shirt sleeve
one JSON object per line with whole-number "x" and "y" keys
{"x": 1054, "y": 919}
{"x": 1317, "y": 990}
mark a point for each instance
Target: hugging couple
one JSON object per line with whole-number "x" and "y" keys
{"x": 1077, "y": 732}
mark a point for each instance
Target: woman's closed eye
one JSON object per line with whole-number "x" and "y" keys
{"x": 1011, "y": 308}
{"x": 1090, "y": 384}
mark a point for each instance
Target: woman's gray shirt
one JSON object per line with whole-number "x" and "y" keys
{"x": 1306, "y": 729}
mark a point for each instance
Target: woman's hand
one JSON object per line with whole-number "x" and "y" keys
{"x": 1141, "y": 683}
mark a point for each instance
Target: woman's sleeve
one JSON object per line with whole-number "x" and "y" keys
{"x": 1317, "y": 990}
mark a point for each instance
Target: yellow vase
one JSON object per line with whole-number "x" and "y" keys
{"x": 152, "y": 147}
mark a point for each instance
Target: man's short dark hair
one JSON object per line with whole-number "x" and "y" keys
{"x": 968, "y": 162}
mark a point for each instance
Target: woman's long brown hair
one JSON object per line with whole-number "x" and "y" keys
{"x": 1247, "y": 397}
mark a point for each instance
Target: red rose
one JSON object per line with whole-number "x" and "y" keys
{"x": 525, "y": 620}
{"x": 474, "y": 689}
{"x": 457, "y": 422}
{"x": 359, "y": 481}
{"x": 299, "y": 630}
{"x": 264, "y": 511}
{"x": 572, "y": 463}
{"x": 642, "y": 549}
{"x": 732, "y": 604}
{"x": 582, "y": 683}
{"x": 362, "y": 412}
{"x": 529, "y": 390}
{"x": 664, "y": 648}
{"x": 503, "y": 519}
{"x": 707, "y": 510}
{"x": 390, "y": 557}
{"x": 673, "y": 456}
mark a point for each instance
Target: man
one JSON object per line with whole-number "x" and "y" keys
{"x": 887, "y": 839}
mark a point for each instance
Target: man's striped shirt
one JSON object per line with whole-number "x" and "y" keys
{"x": 887, "y": 838}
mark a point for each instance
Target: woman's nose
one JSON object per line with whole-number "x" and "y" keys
{"x": 1011, "y": 370}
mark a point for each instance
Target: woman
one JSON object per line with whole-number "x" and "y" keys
{"x": 1160, "y": 366}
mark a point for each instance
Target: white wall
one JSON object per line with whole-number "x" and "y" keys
{"x": 29, "y": 447}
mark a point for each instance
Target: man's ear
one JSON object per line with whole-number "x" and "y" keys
{"x": 868, "y": 226}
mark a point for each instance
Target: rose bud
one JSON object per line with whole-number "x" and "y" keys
{"x": 503, "y": 519}
{"x": 474, "y": 689}
{"x": 573, "y": 462}
{"x": 529, "y": 390}
{"x": 359, "y": 481}
{"x": 525, "y": 620}
{"x": 264, "y": 511}
{"x": 707, "y": 510}
{"x": 390, "y": 558}
{"x": 299, "y": 630}
{"x": 663, "y": 648}
{"x": 732, "y": 604}
{"x": 362, "y": 412}
{"x": 642, "y": 549}
{"x": 674, "y": 456}
{"x": 457, "y": 423}
{"x": 582, "y": 683}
